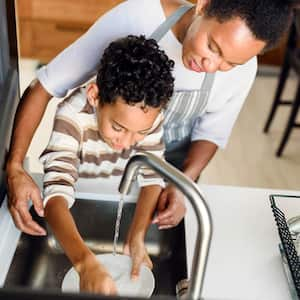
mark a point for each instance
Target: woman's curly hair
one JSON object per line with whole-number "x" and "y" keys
{"x": 135, "y": 69}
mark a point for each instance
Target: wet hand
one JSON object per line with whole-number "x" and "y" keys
{"x": 94, "y": 278}
{"x": 135, "y": 248}
{"x": 171, "y": 208}
{"x": 22, "y": 189}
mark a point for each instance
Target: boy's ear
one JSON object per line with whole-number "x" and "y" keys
{"x": 200, "y": 6}
{"x": 93, "y": 94}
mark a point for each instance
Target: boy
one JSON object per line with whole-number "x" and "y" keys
{"x": 96, "y": 130}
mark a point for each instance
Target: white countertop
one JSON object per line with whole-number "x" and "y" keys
{"x": 244, "y": 260}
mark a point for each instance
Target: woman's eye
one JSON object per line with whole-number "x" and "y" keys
{"x": 211, "y": 48}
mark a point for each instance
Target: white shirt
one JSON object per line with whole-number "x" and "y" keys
{"x": 78, "y": 63}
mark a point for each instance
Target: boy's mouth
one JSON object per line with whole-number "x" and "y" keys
{"x": 113, "y": 145}
{"x": 117, "y": 147}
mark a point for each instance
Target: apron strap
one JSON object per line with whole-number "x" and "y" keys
{"x": 208, "y": 81}
{"x": 164, "y": 27}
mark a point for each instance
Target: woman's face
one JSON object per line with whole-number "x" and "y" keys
{"x": 210, "y": 46}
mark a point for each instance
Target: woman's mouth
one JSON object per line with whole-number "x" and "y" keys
{"x": 194, "y": 66}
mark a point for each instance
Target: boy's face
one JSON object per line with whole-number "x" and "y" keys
{"x": 122, "y": 125}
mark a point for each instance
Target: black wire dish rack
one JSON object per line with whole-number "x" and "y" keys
{"x": 291, "y": 261}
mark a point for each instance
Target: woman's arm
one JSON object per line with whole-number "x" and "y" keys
{"x": 171, "y": 207}
{"x": 93, "y": 276}
{"x": 143, "y": 214}
{"x": 21, "y": 187}
{"x": 199, "y": 155}
{"x": 72, "y": 67}
{"x": 28, "y": 116}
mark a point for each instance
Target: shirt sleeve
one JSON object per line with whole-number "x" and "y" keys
{"x": 61, "y": 157}
{"x": 78, "y": 62}
{"x": 216, "y": 125}
{"x": 154, "y": 144}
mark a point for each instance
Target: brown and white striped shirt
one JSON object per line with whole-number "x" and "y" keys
{"x": 76, "y": 149}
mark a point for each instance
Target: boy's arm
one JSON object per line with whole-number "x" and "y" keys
{"x": 144, "y": 210}
{"x": 64, "y": 229}
{"x": 93, "y": 276}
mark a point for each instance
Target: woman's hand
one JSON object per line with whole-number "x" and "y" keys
{"x": 135, "y": 248}
{"x": 22, "y": 189}
{"x": 170, "y": 209}
{"x": 94, "y": 278}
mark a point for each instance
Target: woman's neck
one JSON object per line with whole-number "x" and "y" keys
{"x": 181, "y": 27}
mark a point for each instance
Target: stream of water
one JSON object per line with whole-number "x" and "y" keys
{"x": 117, "y": 224}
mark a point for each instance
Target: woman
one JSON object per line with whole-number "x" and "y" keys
{"x": 213, "y": 44}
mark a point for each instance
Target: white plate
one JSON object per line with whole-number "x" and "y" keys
{"x": 119, "y": 267}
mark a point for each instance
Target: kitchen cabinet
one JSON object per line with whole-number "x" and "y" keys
{"x": 274, "y": 57}
{"x": 46, "y": 27}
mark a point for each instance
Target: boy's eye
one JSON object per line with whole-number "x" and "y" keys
{"x": 116, "y": 128}
{"x": 143, "y": 133}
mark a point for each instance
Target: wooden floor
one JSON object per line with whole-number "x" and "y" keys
{"x": 248, "y": 160}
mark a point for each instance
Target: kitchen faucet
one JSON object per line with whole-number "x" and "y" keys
{"x": 194, "y": 195}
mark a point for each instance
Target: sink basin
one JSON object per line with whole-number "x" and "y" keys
{"x": 39, "y": 262}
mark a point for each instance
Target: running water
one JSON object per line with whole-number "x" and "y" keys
{"x": 117, "y": 225}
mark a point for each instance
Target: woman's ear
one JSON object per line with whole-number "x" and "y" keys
{"x": 93, "y": 94}
{"x": 200, "y": 6}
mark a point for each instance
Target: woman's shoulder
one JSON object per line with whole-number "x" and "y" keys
{"x": 169, "y": 6}
{"x": 242, "y": 72}
{"x": 235, "y": 81}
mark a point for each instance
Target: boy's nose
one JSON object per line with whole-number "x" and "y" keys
{"x": 128, "y": 140}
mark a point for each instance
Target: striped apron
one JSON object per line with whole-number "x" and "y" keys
{"x": 184, "y": 107}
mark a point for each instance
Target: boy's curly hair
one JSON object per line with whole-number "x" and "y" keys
{"x": 135, "y": 69}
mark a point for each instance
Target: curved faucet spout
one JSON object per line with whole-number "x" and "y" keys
{"x": 194, "y": 195}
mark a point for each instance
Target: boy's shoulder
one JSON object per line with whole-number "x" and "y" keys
{"x": 76, "y": 102}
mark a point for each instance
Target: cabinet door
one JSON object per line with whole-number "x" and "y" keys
{"x": 65, "y": 11}
{"x": 44, "y": 40}
{"x": 46, "y": 27}
{"x": 275, "y": 56}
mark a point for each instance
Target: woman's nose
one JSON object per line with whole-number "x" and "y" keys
{"x": 211, "y": 64}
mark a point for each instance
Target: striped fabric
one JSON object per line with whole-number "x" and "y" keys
{"x": 76, "y": 149}
{"x": 186, "y": 105}
{"x": 182, "y": 111}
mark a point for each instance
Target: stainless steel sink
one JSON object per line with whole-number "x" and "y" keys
{"x": 39, "y": 262}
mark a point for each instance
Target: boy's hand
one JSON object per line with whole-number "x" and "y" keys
{"x": 22, "y": 189}
{"x": 94, "y": 278}
{"x": 138, "y": 252}
{"x": 171, "y": 208}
